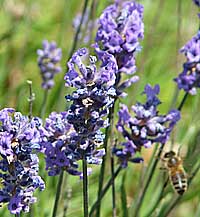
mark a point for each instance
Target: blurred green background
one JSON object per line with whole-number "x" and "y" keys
{"x": 168, "y": 25}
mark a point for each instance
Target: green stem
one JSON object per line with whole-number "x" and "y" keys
{"x": 159, "y": 199}
{"x": 85, "y": 186}
{"x": 44, "y": 104}
{"x": 183, "y": 101}
{"x": 103, "y": 165}
{"x": 103, "y": 192}
{"x": 58, "y": 191}
{"x": 30, "y": 99}
{"x": 124, "y": 196}
{"x": 149, "y": 178}
{"x": 114, "y": 214}
{"x": 74, "y": 45}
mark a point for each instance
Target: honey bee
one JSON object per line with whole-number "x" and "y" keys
{"x": 177, "y": 174}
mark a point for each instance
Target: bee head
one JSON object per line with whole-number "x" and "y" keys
{"x": 169, "y": 154}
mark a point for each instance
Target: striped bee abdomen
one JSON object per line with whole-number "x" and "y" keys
{"x": 179, "y": 181}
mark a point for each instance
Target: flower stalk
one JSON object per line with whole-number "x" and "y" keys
{"x": 85, "y": 186}
{"x": 58, "y": 191}
{"x": 31, "y": 98}
{"x": 104, "y": 191}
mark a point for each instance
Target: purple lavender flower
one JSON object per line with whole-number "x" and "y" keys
{"x": 48, "y": 62}
{"x": 93, "y": 96}
{"x": 145, "y": 128}
{"x": 87, "y": 26}
{"x": 60, "y": 147}
{"x": 19, "y": 138}
{"x": 189, "y": 79}
{"x": 120, "y": 27}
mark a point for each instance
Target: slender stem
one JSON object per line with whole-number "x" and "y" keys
{"x": 74, "y": 45}
{"x": 183, "y": 101}
{"x": 58, "y": 191}
{"x": 79, "y": 28}
{"x": 149, "y": 178}
{"x": 94, "y": 6}
{"x": 103, "y": 192}
{"x": 124, "y": 196}
{"x": 30, "y": 99}
{"x": 159, "y": 199}
{"x": 44, "y": 104}
{"x": 112, "y": 162}
{"x": 114, "y": 214}
{"x": 85, "y": 186}
{"x": 103, "y": 165}
{"x": 102, "y": 172}
{"x": 17, "y": 215}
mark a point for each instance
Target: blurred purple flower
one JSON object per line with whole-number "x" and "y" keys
{"x": 19, "y": 138}
{"x": 48, "y": 62}
{"x": 197, "y": 2}
{"x": 145, "y": 128}
{"x": 189, "y": 79}
{"x": 87, "y": 27}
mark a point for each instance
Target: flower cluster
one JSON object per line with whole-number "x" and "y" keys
{"x": 48, "y": 62}
{"x": 19, "y": 142}
{"x": 197, "y": 2}
{"x": 93, "y": 96}
{"x": 120, "y": 27}
{"x": 60, "y": 147}
{"x": 145, "y": 128}
{"x": 189, "y": 79}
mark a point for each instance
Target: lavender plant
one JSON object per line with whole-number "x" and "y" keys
{"x": 146, "y": 128}
{"x": 48, "y": 62}
{"x": 189, "y": 79}
{"x": 90, "y": 101}
{"x": 120, "y": 28}
{"x": 19, "y": 144}
{"x": 84, "y": 133}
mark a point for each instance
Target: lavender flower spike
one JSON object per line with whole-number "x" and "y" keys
{"x": 91, "y": 100}
{"x": 19, "y": 138}
{"x": 144, "y": 128}
{"x": 189, "y": 79}
{"x": 48, "y": 62}
{"x": 59, "y": 149}
{"x": 120, "y": 28}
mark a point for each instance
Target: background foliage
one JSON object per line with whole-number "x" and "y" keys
{"x": 168, "y": 25}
